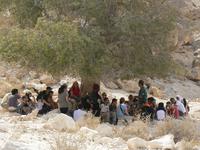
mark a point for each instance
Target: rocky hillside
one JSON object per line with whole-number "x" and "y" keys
{"x": 187, "y": 38}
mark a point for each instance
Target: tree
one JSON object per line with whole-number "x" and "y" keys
{"x": 116, "y": 38}
{"x": 25, "y": 12}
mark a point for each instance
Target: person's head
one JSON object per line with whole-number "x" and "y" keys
{"x": 28, "y": 93}
{"x": 126, "y": 102}
{"x": 122, "y": 100}
{"x": 80, "y": 106}
{"x": 51, "y": 93}
{"x": 161, "y": 106}
{"x": 104, "y": 95}
{"x": 62, "y": 89}
{"x": 141, "y": 83}
{"x": 48, "y": 89}
{"x": 173, "y": 101}
{"x": 114, "y": 101}
{"x": 75, "y": 85}
{"x": 14, "y": 91}
{"x": 151, "y": 100}
{"x": 25, "y": 98}
{"x": 184, "y": 102}
{"x": 168, "y": 104}
{"x": 96, "y": 87}
{"x": 106, "y": 101}
{"x": 179, "y": 98}
{"x": 130, "y": 97}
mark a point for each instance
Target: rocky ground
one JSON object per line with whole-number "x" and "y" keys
{"x": 55, "y": 131}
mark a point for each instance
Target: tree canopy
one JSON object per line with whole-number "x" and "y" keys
{"x": 90, "y": 38}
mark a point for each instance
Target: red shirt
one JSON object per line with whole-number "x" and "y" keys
{"x": 75, "y": 92}
{"x": 175, "y": 112}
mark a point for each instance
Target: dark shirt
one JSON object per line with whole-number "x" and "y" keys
{"x": 113, "y": 108}
{"x": 12, "y": 100}
{"x": 142, "y": 95}
{"x": 43, "y": 95}
{"x": 95, "y": 97}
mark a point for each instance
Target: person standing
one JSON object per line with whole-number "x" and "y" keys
{"x": 63, "y": 99}
{"x": 105, "y": 114}
{"x": 122, "y": 111}
{"x": 113, "y": 112}
{"x": 95, "y": 100}
{"x": 181, "y": 108}
{"x": 142, "y": 94}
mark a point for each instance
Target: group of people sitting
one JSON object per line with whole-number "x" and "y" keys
{"x": 72, "y": 103}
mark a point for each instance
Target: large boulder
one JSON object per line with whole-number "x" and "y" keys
{"x": 128, "y": 85}
{"x": 116, "y": 143}
{"x": 33, "y": 75}
{"x": 156, "y": 92}
{"x": 180, "y": 145}
{"x": 195, "y": 74}
{"x": 110, "y": 85}
{"x": 105, "y": 130}
{"x": 5, "y": 87}
{"x": 37, "y": 86}
{"x": 164, "y": 142}
{"x": 196, "y": 63}
{"x": 137, "y": 143}
{"x": 47, "y": 79}
{"x": 61, "y": 122}
{"x": 88, "y": 133}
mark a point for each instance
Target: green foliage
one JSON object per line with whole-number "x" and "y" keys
{"x": 120, "y": 38}
{"x": 25, "y": 12}
{"x": 55, "y": 47}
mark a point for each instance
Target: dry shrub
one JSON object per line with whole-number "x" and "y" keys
{"x": 181, "y": 129}
{"x": 5, "y": 87}
{"x": 185, "y": 145}
{"x": 89, "y": 121}
{"x": 62, "y": 144}
{"x": 136, "y": 129}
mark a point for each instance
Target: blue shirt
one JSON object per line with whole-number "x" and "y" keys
{"x": 121, "y": 109}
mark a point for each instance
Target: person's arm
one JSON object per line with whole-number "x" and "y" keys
{"x": 125, "y": 110}
{"x": 45, "y": 102}
{"x": 67, "y": 98}
{"x": 71, "y": 93}
{"x": 33, "y": 99}
{"x": 36, "y": 91}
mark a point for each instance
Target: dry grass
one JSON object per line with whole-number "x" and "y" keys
{"x": 89, "y": 121}
{"x": 181, "y": 129}
{"x": 62, "y": 144}
{"x": 5, "y": 87}
{"x": 188, "y": 130}
{"x": 136, "y": 129}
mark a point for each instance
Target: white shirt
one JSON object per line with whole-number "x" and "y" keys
{"x": 181, "y": 107}
{"x": 104, "y": 108}
{"x": 39, "y": 105}
{"x": 160, "y": 114}
{"x": 78, "y": 114}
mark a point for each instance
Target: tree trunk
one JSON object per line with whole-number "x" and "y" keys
{"x": 87, "y": 84}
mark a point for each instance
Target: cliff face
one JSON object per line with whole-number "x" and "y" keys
{"x": 187, "y": 53}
